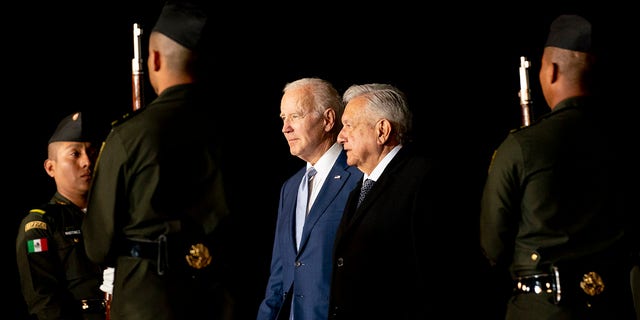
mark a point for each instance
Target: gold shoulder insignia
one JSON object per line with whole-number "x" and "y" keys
{"x": 35, "y": 225}
{"x": 125, "y": 117}
{"x": 117, "y": 122}
{"x": 516, "y": 129}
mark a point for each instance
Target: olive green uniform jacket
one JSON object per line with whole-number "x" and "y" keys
{"x": 554, "y": 196}
{"x": 158, "y": 177}
{"x": 55, "y": 273}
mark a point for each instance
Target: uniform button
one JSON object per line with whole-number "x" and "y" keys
{"x": 340, "y": 262}
{"x": 535, "y": 256}
{"x": 298, "y": 263}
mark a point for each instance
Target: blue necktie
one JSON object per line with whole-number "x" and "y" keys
{"x": 302, "y": 206}
{"x": 366, "y": 186}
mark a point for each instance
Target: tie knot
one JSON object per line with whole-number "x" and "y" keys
{"x": 311, "y": 172}
{"x": 366, "y": 186}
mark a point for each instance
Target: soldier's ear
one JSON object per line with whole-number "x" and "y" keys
{"x": 156, "y": 60}
{"x": 49, "y": 167}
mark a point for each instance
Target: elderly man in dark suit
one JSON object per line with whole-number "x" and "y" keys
{"x": 380, "y": 263}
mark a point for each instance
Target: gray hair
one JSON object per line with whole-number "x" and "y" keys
{"x": 385, "y": 101}
{"x": 322, "y": 96}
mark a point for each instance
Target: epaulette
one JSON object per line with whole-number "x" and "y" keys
{"x": 125, "y": 117}
{"x": 40, "y": 211}
{"x": 517, "y": 129}
{"x": 37, "y": 224}
{"x": 44, "y": 208}
{"x": 533, "y": 122}
{"x": 122, "y": 119}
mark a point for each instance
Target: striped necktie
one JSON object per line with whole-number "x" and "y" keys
{"x": 302, "y": 205}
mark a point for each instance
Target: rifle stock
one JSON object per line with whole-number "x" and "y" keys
{"x": 107, "y": 305}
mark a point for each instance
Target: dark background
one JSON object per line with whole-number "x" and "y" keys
{"x": 458, "y": 65}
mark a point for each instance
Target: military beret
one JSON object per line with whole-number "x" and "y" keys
{"x": 182, "y": 21}
{"x": 571, "y": 32}
{"x": 71, "y": 128}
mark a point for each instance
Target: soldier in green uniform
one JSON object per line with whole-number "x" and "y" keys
{"x": 58, "y": 280}
{"x": 157, "y": 201}
{"x": 551, "y": 209}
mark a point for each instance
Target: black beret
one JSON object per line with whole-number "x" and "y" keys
{"x": 71, "y": 128}
{"x": 182, "y": 21}
{"x": 571, "y": 32}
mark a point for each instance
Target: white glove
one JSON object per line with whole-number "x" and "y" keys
{"x": 107, "y": 280}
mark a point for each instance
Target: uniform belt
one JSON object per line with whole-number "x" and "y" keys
{"x": 149, "y": 249}
{"x": 537, "y": 284}
{"x": 575, "y": 285}
{"x": 543, "y": 283}
{"x": 177, "y": 253}
{"x": 93, "y": 305}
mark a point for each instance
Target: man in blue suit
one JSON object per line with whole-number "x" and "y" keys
{"x": 310, "y": 209}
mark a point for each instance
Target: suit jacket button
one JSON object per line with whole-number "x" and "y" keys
{"x": 298, "y": 263}
{"x": 340, "y": 262}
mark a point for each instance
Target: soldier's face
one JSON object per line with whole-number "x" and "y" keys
{"x": 71, "y": 165}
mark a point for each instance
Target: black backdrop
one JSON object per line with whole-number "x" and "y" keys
{"x": 457, "y": 64}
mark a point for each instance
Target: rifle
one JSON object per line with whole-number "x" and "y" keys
{"x": 138, "y": 99}
{"x": 525, "y": 92}
{"x": 107, "y": 296}
{"x": 137, "y": 72}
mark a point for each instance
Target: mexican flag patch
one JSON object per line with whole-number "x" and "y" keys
{"x": 37, "y": 245}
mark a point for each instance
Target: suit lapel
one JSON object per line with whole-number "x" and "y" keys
{"x": 330, "y": 189}
{"x": 387, "y": 177}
